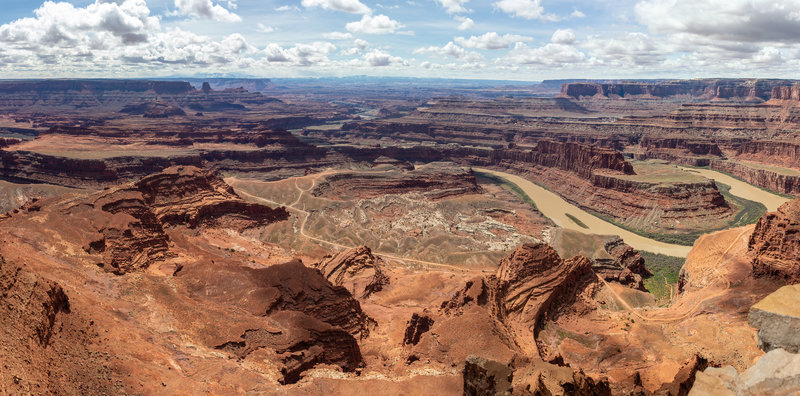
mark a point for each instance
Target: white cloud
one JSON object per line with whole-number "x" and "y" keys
{"x": 577, "y": 14}
{"x": 205, "y": 9}
{"x": 491, "y": 41}
{"x": 528, "y": 9}
{"x": 378, "y": 58}
{"x": 95, "y": 26}
{"x": 380, "y": 24}
{"x": 287, "y": 8}
{"x": 301, "y": 54}
{"x": 466, "y": 23}
{"x": 351, "y": 6}
{"x": 626, "y": 50}
{"x": 451, "y": 50}
{"x": 453, "y": 6}
{"x": 118, "y": 35}
{"x": 337, "y": 36}
{"x": 265, "y": 29}
{"x": 727, "y": 20}
{"x": 554, "y": 55}
{"x": 359, "y": 45}
{"x": 563, "y": 36}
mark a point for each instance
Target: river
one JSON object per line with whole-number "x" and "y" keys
{"x": 742, "y": 189}
{"x": 556, "y": 208}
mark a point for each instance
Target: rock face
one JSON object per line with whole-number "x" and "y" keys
{"x": 574, "y": 157}
{"x": 313, "y": 321}
{"x": 531, "y": 284}
{"x": 739, "y": 89}
{"x": 484, "y": 377}
{"x": 775, "y": 243}
{"x": 777, "y": 318}
{"x": 116, "y": 94}
{"x": 129, "y": 222}
{"x": 791, "y": 93}
{"x": 417, "y": 326}
{"x": 356, "y": 269}
{"x": 436, "y": 181}
{"x": 776, "y": 373}
{"x": 537, "y": 270}
{"x": 627, "y": 268}
{"x": 785, "y": 184}
{"x": 153, "y": 110}
{"x": 46, "y": 346}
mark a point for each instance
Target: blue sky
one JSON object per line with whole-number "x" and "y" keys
{"x": 492, "y": 39}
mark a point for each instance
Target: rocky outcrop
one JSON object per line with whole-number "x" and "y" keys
{"x": 534, "y": 284}
{"x": 186, "y": 195}
{"x": 776, "y": 373}
{"x": 357, "y": 269}
{"x": 283, "y": 287}
{"x": 416, "y": 327}
{"x": 120, "y": 93}
{"x": 46, "y": 347}
{"x": 483, "y": 377}
{"x": 775, "y": 243}
{"x": 301, "y": 342}
{"x": 577, "y": 158}
{"x": 737, "y": 89}
{"x": 486, "y": 377}
{"x": 772, "y": 180}
{"x": 128, "y": 223}
{"x": 153, "y": 110}
{"x": 685, "y": 377}
{"x": 435, "y": 181}
{"x": 787, "y": 93}
{"x": 780, "y": 153}
{"x": 687, "y": 151}
{"x": 777, "y": 318}
{"x": 626, "y": 265}
{"x": 531, "y": 284}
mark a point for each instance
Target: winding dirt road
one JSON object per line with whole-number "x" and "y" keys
{"x": 305, "y": 215}
{"x": 554, "y": 207}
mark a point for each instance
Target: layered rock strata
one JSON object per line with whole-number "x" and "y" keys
{"x": 128, "y": 223}
{"x": 356, "y": 269}
{"x": 775, "y": 243}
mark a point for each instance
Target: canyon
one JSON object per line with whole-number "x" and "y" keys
{"x": 242, "y": 236}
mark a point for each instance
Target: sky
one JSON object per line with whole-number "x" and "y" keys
{"x": 528, "y": 40}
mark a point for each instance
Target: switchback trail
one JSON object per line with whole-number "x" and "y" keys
{"x": 305, "y": 215}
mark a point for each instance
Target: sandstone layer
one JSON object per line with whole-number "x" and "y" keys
{"x": 775, "y": 243}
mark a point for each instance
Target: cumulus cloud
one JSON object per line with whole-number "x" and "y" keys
{"x": 62, "y": 24}
{"x": 528, "y": 9}
{"x": 563, "y": 36}
{"x": 359, "y": 46}
{"x": 451, "y": 50}
{"x": 377, "y": 58}
{"x": 466, "y": 23}
{"x": 555, "y": 55}
{"x": 730, "y": 20}
{"x": 380, "y": 24}
{"x": 453, "y": 6}
{"x": 627, "y": 49}
{"x": 114, "y": 34}
{"x": 491, "y": 41}
{"x": 301, "y": 54}
{"x": 351, "y": 6}
{"x": 205, "y": 9}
